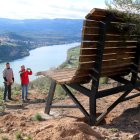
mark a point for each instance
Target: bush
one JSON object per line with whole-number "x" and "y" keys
{"x": 103, "y": 80}
{"x": 4, "y": 138}
{"x": 18, "y": 135}
{"x": 37, "y": 117}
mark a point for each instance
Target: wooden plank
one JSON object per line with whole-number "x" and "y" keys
{"x": 90, "y": 37}
{"x": 88, "y": 51}
{"x": 117, "y": 66}
{"x": 115, "y": 37}
{"x": 93, "y": 30}
{"x": 107, "y": 64}
{"x": 92, "y": 51}
{"x": 112, "y": 25}
{"x": 59, "y": 76}
{"x": 78, "y": 73}
{"x": 81, "y": 71}
{"x": 87, "y": 58}
{"x": 74, "y": 79}
{"x": 120, "y": 44}
{"x": 81, "y": 80}
{"x": 65, "y": 69}
{"x": 97, "y": 11}
{"x": 102, "y": 18}
{"x": 109, "y": 37}
{"x": 110, "y": 30}
{"x": 107, "y": 74}
{"x": 93, "y": 44}
{"x": 68, "y": 76}
{"x": 117, "y": 62}
{"x": 117, "y": 56}
{"x": 86, "y": 65}
{"x": 91, "y": 23}
{"x": 51, "y": 72}
{"x": 62, "y": 75}
{"x": 89, "y": 44}
{"x": 97, "y": 18}
{"x": 119, "y": 50}
{"x": 112, "y": 70}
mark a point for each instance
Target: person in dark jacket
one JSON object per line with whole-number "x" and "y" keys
{"x": 24, "y": 76}
{"x": 8, "y": 77}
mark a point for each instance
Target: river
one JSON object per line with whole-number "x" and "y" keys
{"x": 40, "y": 59}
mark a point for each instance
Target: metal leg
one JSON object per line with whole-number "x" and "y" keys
{"x": 99, "y": 119}
{"x": 76, "y": 102}
{"x": 138, "y": 89}
{"x": 50, "y": 96}
{"x": 92, "y": 109}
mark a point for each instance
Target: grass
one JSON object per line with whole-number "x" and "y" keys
{"x": 4, "y": 138}
{"x": 18, "y": 135}
{"x": 37, "y": 117}
{"x": 113, "y": 130}
{"x": 72, "y": 58}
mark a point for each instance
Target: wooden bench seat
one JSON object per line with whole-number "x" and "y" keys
{"x": 66, "y": 75}
{"x": 105, "y": 51}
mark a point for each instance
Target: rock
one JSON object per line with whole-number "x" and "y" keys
{"x": 116, "y": 135}
{"x": 105, "y": 133}
{"x": 22, "y": 124}
{"x": 135, "y": 121}
{"x": 134, "y": 136}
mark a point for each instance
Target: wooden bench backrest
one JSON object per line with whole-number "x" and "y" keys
{"x": 119, "y": 52}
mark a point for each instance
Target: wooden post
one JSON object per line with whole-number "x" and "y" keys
{"x": 50, "y": 96}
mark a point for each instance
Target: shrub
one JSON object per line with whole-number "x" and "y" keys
{"x": 18, "y": 135}
{"x": 4, "y": 138}
{"x": 37, "y": 117}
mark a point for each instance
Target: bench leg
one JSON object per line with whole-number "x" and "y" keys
{"x": 74, "y": 99}
{"x": 92, "y": 109}
{"x": 50, "y": 96}
{"x": 138, "y": 89}
{"x": 120, "y": 99}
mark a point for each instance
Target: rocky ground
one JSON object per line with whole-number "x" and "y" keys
{"x": 17, "y": 122}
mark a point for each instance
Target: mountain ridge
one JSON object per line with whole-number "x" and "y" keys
{"x": 32, "y": 33}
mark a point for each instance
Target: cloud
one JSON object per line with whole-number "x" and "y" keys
{"x": 26, "y": 9}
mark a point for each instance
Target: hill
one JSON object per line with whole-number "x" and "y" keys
{"x": 64, "y": 29}
{"x": 17, "y": 37}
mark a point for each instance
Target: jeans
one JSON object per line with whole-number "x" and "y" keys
{"x": 24, "y": 91}
{"x": 7, "y": 89}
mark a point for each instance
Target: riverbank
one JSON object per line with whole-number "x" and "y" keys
{"x": 40, "y": 59}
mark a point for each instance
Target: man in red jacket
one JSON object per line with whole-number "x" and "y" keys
{"x": 24, "y": 76}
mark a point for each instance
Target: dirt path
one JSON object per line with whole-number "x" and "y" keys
{"x": 123, "y": 123}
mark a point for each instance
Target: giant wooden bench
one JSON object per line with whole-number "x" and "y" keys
{"x": 105, "y": 51}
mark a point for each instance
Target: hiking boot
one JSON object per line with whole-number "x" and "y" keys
{"x": 6, "y": 100}
{"x": 10, "y": 99}
{"x": 27, "y": 99}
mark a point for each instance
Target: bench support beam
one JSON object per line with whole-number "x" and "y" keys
{"x": 50, "y": 97}
{"x": 74, "y": 99}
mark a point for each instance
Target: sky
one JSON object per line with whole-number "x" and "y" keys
{"x": 39, "y": 9}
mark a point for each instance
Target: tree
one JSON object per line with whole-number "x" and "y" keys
{"x": 130, "y": 9}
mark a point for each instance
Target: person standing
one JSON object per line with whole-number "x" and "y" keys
{"x": 24, "y": 76}
{"x": 8, "y": 77}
